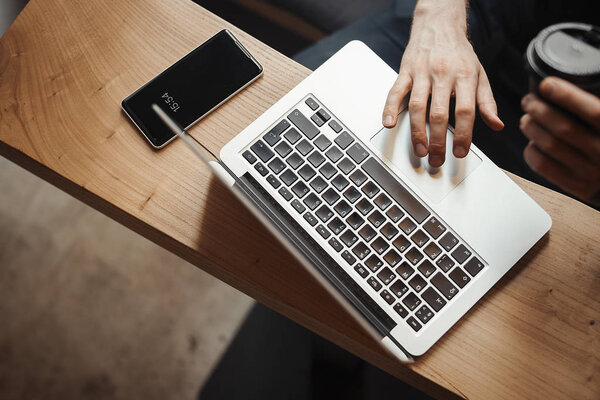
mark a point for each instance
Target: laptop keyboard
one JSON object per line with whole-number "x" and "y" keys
{"x": 406, "y": 254}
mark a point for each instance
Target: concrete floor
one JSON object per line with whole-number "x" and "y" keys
{"x": 89, "y": 309}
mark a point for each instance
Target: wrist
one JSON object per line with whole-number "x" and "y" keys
{"x": 451, "y": 15}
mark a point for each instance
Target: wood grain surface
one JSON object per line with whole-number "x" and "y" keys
{"x": 65, "y": 66}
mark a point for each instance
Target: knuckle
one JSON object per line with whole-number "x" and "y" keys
{"x": 437, "y": 148}
{"x": 440, "y": 67}
{"x": 416, "y": 105}
{"x": 464, "y": 111}
{"x": 564, "y": 128}
{"x": 438, "y": 116}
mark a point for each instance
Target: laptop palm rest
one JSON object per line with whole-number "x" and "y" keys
{"x": 396, "y": 149}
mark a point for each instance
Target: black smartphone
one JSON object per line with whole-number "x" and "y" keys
{"x": 192, "y": 87}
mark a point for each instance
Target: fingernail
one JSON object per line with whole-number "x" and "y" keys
{"x": 420, "y": 150}
{"x": 388, "y": 120}
{"x": 435, "y": 161}
{"x": 460, "y": 151}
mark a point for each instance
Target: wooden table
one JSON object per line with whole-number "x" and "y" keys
{"x": 65, "y": 65}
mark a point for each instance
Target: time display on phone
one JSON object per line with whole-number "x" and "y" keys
{"x": 173, "y": 105}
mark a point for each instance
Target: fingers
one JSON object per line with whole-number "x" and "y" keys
{"x": 417, "y": 107}
{"x": 575, "y": 161}
{"x": 394, "y": 99}
{"x": 486, "y": 103}
{"x": 581, "y": 103}
{"x": 464, "y": 116}
{"x": 556, "y": 173}
{"x": 562, "y": 126}
{"x": 438, "y": 122}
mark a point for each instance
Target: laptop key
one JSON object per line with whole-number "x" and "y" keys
{"x": 355, "y": 220}
{"x": 272, "y": 138}
{"x": 361, "y": 250}
{"x": 373, "y": 263}
{"x": 379, "y": 245}
{"x": 339, "y": 182}
{"x": 249, "y": 157}
{"x": 417, "y": 283}
{"x": 389, "y": 231}
{"x": 474, "y": 266}
{"x": 318, "y": 184}
{"x": 323, "y": 231}
{"x": 336, "y": 225}
{"x": 357, "y": 153}
{"x": 358, "y": 177}
{"x": 401, "y": 243}
{"x": 459, "y": 277}
{"x": 262, "y": 151}
{"x": 288, "y": 177}
{"x": 388, "y": 297}
{"x": 434, "y": 227}
{"x": 382, "y": 201}
{"x": 445, "y": 263}
{"x": 344, "y": 140}
{"x": 362, "y": 271}
{"x": 312, "y": 201}
{"x": 424, "y": 314}
{"x": 448, "y": 241}
{"x": 261, "y": 169}
{"x": 400, "y": 310}
{"x": 330, "y": 196}
{"x": 374, "y": 283}
{"x": 310, "y": 219}
{"x": 292, "y": 135}
{"x": 370, "y": 189}
{"x": 446, "y": 288}
{"x": 304, "y": 147}
{"x": 322, "y": 142}
{"x": 461, "y": 253}
{"x": 294, "y": 160}
{"x": 414, "y": 324}
{"x": 432, "y": 250}
{"x": 273, "y": 181}
{"x": 426, "y": 268}
{"x": 276, "y": 165}
{"x": 306, "y": 172}
{"x": 433, "y": 298}
{"x": 333, "y": 124}
{"x": 367, "y": 233}
{"x": 324, "y": 213}
{"x": 337, "y": 246}
{"x": 286, "y": 193}
{"x": 419, "y": 238}
{"x": 317, "y": 120}
{"x": 274, "y": 134}
{"x": 392, "y": 258}
{"x": 413, "y": 255}
{"x": 411, "y": 301}
{"x": 350, "y": 259}
{"x": 312, "y": 103}
{"x": 283, "y": 149}
{"x": 346, "y": 165}
{"x": 302, "y": 123}
{"x": 328, "y": 170}
{"x": 298, "y": 206}
{"x": 343, "y": 208}
{"x": 386, "y": 276}
{"x": 376, "y": 218}
{"x": 300, "y": 189}
{"x": 407, "y": 225}
{"x": 405, "y": 270}
{"x": 348, "y": 238}
{"x": 324, "y": 115}
{"x": 395, "y": 214}
{"x": 352, "y": 194}
{"x": 395, "y": 190}
{"x": 399, "y": 288}
{"x": 315, "y": 158}
{"x": 364, "y": 206}
{"x": 334, "y": 154}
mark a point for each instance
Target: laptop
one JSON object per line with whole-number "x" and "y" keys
{"x": 406, "y": 249}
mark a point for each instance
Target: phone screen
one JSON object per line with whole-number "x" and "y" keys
{"x": 192, "y": 87}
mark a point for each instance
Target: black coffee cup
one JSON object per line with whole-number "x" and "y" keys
{"x": 570, "y": 51}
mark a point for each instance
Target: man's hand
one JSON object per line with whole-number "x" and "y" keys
{"x": 564, "y": 148}
{"x": 439, "y": 60}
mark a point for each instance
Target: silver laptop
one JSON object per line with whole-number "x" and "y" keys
{"x": 407, "y": 250}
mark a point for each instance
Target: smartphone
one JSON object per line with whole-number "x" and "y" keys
{"x": 192, "y": 87}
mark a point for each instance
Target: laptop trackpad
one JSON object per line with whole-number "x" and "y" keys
{"x": 396, "y": 147}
